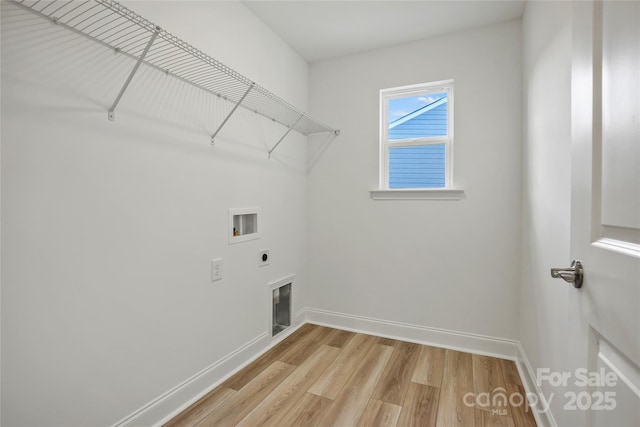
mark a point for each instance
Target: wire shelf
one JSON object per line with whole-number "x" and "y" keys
{"x": 113, "y": 25}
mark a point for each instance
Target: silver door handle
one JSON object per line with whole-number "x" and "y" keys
{"x": 573, "y": 274}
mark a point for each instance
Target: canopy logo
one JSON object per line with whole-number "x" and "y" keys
{"x": 499, "y": 401}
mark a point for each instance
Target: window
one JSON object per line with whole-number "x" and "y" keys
{"x": 416, "y": 137}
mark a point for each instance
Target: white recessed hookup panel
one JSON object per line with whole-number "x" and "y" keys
{"x": 244, "y": 224}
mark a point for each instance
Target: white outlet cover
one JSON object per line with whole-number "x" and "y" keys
{"x": 262, "y": 262}
{"x": 216, "y": 269}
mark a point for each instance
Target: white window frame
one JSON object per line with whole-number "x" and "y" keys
{"x": 384, "y": 192}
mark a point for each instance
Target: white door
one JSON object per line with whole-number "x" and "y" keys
{"x": 604, "y": 314}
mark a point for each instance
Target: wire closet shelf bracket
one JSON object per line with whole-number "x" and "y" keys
{"x": 111, "y": 24}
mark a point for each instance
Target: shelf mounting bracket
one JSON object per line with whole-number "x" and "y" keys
{"x": 111, "y": 113}
{"x": 235, "y": 107}
{"x": 285, "y": 135}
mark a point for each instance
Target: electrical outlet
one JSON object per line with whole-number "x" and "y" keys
{"x": 264, "y": 258}
{"x": 216, "y": 269}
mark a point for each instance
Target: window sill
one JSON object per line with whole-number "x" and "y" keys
{"x": 418, "y": 194}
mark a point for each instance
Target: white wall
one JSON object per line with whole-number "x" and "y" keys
{"x": 444, "y": 264}
{"x": 547, "y": 189}
{"x": 108, "y": 229}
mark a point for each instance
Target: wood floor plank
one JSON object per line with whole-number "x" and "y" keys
{"x": 457, "y": 381}
{"x": 491, "y": 419}
{"x": 239, "y": 380}
{"x": 274, "y": 406}
{"x": 395, "y": 380}
{"x": 518, "y": 405}
{"x": 343, "y": 378}
{"x": 479, "y": 421}
{"x": 307, "y": 411}
{"x": 334, "y": 378}
{"x": 420, "y": 408}
{"x": 199, "y": 410}
{"x": 350, "y": 403}
{"x": 340, "y": 338}
{"x": 380, "y": 414}
{"x": 300, "y": 351}
{"x": 520, "y": 411}
{"x": 488, "y": 385}
{"x": 510, "y": 372}
{"x": 244, "y": 400}
{"x": 429, "y": 367}
{"x": 387, "y": 341}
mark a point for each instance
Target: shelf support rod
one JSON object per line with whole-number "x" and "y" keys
{"x": 133, "y": 72}
{"x": 285, "y": 135}
{"x": 235, "y": 107}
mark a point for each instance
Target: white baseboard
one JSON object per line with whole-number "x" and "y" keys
{"x": 528, "y": 376}
{"x": 176, "y": 400}
{"x": 171, "y": 403}
{"x": 462, "y": 341}
{"x": 182, "y": 395}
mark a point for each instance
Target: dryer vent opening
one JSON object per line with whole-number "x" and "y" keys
{"x": 281, "y": 309}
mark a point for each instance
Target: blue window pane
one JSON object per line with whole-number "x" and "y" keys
{"x": 418, "y": 117}
{"x": 417, "y": 167}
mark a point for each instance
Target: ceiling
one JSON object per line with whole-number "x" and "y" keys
{"x": 320, "y": 30}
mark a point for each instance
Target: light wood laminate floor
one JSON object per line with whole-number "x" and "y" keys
{"x": 321, "y": 376}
